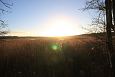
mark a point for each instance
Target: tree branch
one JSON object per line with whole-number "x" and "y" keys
{"x": 6, "y": 4}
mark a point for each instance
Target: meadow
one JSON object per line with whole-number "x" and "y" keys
{"x": 79, "y": 56}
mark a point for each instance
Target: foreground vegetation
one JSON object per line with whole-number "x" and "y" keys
{"x": 79, "y": 56}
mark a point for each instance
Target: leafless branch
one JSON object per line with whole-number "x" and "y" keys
{"x": 3, "y": 10}
{"x": 3, "y": 25}
{"x": 6, "y": 4}
{"x": 94, "y": 4}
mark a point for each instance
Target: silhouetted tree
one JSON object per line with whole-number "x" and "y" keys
{"x": 113, "y": 2}
{"x": 98, "y": 23}
{"x": 100, "y": 20}
{"x": 110, "y": 15}
{"x": 4, "y": 6}
{"x": 109, "y": 26}
{"x": 107, "y": 9}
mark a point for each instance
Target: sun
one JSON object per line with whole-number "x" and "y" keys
{"x": 61, "y": 26}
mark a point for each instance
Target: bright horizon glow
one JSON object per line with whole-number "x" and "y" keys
{"x": 56, "y": 26}
{"x": 60, "y": 26}
{"x": 47, "y": 18}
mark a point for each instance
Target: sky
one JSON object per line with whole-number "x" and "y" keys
{"x": 32, "y": 17}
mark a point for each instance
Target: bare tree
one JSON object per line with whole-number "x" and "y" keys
{"x": 106, "y": 12}
{"x": 113, "y": 6}
{"x": 109, "y": 26}
{"x": 100, "y": 20}
{"x": 4, "y": 7}
{"x": 98, "y": 23}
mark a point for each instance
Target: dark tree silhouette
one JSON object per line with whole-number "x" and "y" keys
{"x": 109, "y": 26}
{"x": 98, "y": 23}
{"x": 99, "y": 7}
{"x": 107, "y": 8}
{"x": 4, "y": 6}
{"x": 110, "y": 15}
{"x": 113, "y": 2}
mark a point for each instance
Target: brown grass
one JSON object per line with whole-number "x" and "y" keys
{"x": 33, "y": 57}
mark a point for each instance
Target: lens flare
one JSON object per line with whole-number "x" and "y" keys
{"x": 56, "y": 47}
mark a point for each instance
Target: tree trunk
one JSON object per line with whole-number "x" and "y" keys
{"x": 113, "y": 1}
{"x": 108, "y": 29}
{"x": 109, "y": 25}
{"x": 113, "y": 12}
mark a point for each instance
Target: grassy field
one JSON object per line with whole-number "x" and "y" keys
{"x": 79, "y": 56}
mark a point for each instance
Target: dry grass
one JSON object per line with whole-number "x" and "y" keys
{"x": 33, "y": 57}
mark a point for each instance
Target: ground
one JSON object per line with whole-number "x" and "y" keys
{"x": 79, "y": 56}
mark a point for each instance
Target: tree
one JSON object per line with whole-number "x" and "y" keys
{"x": 98, "y": 23}
{"x": 113, "y": 7}
{"x": 107, "y": 9}
{"x": 5, "y": 5}
{"x": 109, "y": 26}
{"x": 100, "y": 20}
{"x": 110, "y": 19}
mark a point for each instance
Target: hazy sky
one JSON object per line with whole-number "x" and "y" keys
{"x": 30, "y": 16}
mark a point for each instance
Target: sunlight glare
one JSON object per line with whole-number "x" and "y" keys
{"x": 60, "y": 26}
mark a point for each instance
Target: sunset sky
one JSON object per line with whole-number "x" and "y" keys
{"x": 47, "y": 17}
